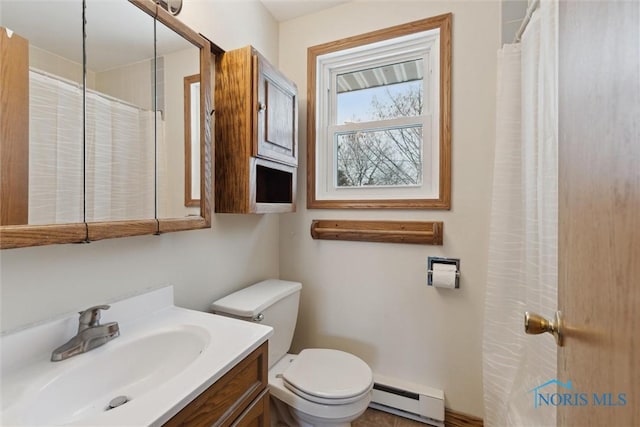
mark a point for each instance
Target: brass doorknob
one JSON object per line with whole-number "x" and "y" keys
{"x": 535, "y": 324}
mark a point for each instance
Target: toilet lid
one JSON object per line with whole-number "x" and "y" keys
{"x": 328, "y": 376}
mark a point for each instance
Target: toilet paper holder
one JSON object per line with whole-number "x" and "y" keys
{"x": 442, "y": 260}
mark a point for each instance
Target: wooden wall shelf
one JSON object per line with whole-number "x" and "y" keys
{"x": 419, "y": 232}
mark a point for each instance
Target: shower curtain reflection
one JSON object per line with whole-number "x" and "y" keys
{"x": 120, "y": 160}
{"x": 55, "y": 150}
{"x": 119, "y": 156}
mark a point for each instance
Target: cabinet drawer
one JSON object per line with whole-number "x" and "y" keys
{"x": 256, "y": 415}
{"x": 223, "y": 402}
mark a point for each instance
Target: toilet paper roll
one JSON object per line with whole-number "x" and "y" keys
{"x": 444, "y": 275}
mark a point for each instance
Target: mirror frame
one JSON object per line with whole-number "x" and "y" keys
{"x": 17, "y": 236}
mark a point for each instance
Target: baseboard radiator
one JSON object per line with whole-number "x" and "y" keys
{"x": 408, "y": 400}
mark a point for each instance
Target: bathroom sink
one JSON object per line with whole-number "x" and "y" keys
{"x": 161, "y": 361}
{"x": 84, "y": 386}
{"x": 128, "y": 370}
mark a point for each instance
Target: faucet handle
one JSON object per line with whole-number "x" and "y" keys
{"x": 91, "y": 316}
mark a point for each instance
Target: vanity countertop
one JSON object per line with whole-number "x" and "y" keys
{"x": 164, "y": 357}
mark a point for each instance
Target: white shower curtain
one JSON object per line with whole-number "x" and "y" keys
{"x": 55, "y": 151}
{"x": 522, "y": 270}
{"x": 120, "y": 155}
{"x": 119, "y": 179}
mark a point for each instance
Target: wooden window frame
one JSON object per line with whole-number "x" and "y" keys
{"x": 189, "y": 147}
{"x": 443, "y": 200}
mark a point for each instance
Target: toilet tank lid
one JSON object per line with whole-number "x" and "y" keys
{"x": 252, "y": 300}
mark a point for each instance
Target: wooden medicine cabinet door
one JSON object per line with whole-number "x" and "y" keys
{"x": 276, "y": 115}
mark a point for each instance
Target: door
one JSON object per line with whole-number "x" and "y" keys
{"x": 599, "y": 220}
{"x": 277, "y": 114}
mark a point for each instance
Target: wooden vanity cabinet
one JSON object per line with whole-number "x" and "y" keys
{"x": 240, "y": 398}
{"x": 256, "y": 133}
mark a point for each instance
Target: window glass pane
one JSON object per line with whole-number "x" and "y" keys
{"x": 385, "y": 92}
{"x": 390, "y": 157}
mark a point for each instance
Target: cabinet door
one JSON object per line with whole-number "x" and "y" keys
{"x": 256, "y": 415}
{"x": 276, "y": 114}
{"x": 227, "y": 400}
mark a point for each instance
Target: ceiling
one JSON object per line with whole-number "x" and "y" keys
{"x": 283, "y": 10}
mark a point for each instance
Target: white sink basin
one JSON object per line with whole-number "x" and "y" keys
{"x": 129, "y": 370}
{"x": 160, "y": 362}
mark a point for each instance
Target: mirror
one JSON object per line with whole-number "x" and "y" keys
{"x": 103, "y": 180}
{"x": 120, "y": 112}
{"x": 173, "y": 214}
{"x": 177, "y": 60}
{"x": 42, "y": 111}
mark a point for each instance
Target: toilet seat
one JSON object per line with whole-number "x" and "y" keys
{"x": 330, "y": 413}
{"x": 328, "y": 377}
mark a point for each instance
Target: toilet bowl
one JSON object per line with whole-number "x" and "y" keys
{"x": 315, "y": 388}
{"x": 321, "y": 387}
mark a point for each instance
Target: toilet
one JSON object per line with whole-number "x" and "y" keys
{"x": 315, "y": 388}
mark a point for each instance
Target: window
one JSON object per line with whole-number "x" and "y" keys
{"x": 379, "y": 119}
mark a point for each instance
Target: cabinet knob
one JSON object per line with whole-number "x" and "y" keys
{"x": 262, "y": 106}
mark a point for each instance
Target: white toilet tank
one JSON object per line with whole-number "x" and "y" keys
{"x": 270, "y": 302}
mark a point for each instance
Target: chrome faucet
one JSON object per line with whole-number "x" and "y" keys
{"x": 91, "y": 334}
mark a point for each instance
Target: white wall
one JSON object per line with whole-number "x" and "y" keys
{"x": 130, "y": 83}
{"x": 56, "y": 64}
{"x": 371, "y": 298}
{"x": 43, "y": 282}
{"x": 234, "y": 23}
{"x": 177, "y": 65}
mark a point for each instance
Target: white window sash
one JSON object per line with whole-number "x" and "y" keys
{"x": 423, "y": 46}
{"x": 327, "y": 188}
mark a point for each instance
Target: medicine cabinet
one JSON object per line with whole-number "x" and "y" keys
{"x": 256, "y": 135}
{"x": 93, "y": 133}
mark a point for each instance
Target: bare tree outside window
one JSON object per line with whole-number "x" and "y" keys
{"x": 390, "y": 156}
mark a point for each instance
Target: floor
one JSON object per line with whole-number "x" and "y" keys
{"x": 375, "y": 418}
